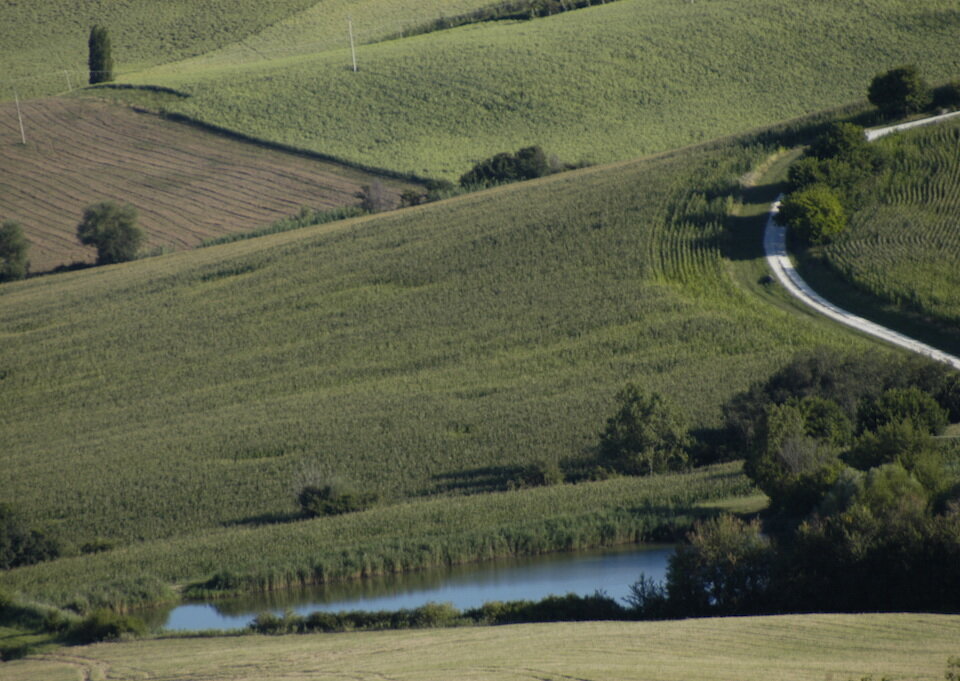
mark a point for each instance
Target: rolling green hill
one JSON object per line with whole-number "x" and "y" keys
{"x": 43, "y": 44}
{"x": 180, "y": 393}
{"x": 599, "y": 84}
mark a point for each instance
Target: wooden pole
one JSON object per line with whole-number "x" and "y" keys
{"x": 353, "y": 50}
{"x": 23, "y": 138}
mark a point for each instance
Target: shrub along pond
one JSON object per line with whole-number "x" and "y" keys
{"x": 610, "y": 570}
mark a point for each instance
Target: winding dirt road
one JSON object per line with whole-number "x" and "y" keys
{"x": 775, "y": 247}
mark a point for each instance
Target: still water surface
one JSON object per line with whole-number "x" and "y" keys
{"x": 611, "y": 570}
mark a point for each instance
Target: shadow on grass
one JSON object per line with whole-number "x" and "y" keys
{"x": 266, "y": 519}
{"x": 477, "y": 480}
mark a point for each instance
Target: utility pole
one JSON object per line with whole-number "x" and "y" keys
{"x": 23, "y": 138}
{"x": 69, "y": 84}
{"x": 353, "y": 50}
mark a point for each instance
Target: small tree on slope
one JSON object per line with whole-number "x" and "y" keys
{"x": 100, "y": 60}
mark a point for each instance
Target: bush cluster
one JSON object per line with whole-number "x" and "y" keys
{"x": 429, "y": 615}
{"x": 863, "y": 500}
{"x": 568, "y": 608}
{"x": 20, "y": 544}
{"x": 334, "y": 498}
{"x": 528, "y": 163}
{"x": 105, "y": 625}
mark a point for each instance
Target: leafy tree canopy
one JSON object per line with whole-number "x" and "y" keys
{"x": 815, "y": 212}
{"x": 13, "y": 252}
{"x": 643, "y": 437}
{"x": 113, "y": 230}
{"x": 899, "y": 91}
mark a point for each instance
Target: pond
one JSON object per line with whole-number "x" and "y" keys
{"x": 611, "y": 570}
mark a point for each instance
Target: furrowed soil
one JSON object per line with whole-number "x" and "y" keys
{"x": 188, "y": 185}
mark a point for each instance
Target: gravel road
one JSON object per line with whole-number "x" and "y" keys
{"x": 775, "y": 247}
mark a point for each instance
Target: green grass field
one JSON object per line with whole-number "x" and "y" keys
{"x": 610, "y": 82}
{"x": 902, "y": 248}
{"x": 43, "y": 44}
{"x": 403, "y": 351}
{"x": 794, "y": 648}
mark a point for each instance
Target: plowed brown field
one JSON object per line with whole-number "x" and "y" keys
{"x": 187, "y": 184}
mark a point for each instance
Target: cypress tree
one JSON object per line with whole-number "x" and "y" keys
{"x": 100, "y": 60}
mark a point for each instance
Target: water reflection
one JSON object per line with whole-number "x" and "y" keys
{"x": 613, "y": 570}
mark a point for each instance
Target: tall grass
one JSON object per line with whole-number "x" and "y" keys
{"x": 390, "y": 539}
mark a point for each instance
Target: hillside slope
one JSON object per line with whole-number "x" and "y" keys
{"x": 902, "y": 246}
{"x": 43, "y": 43}
{"x": 178, "y": 393}
{"x": 600, "y": 84}
{"x": 187, "y": 185}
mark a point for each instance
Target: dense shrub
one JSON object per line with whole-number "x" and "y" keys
{"x": 840, "y": 140}
{"x": 947, "y": 96}
{"x": 815, "y": 213}
{"x": 13, "y": 252}
{"x": 899, "y": 91}
{"x": 867, "y": 524}
{"x": 526, "y": 164}
{"x": 20, "y": 544}
{"x": 537, "y": 474}
{"x": 334, "y": 498}
{"x": 902, "y": 404}
{"x": 374, "y": 197}
{"x": 568, "y": 608}
{"x": 948, "y": 396}
{"x": 724, "y": 569}
{"x": 105, "y": 625}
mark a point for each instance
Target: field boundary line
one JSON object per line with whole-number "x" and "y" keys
{"x": 775, "y": 248}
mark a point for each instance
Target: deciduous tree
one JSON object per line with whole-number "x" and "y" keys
{"x": 113, "y": 230}
{"x": 899, "y": 91}
{"x": 13, "y": 252}
{"x": 815, "y": 212}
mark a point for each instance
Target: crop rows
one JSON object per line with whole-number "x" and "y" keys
{"x": 188, "y": 185}
{"x": 396, "y": 538}
{"x": 904, "y": 245}
{"x": 409, "y": 353}
{"x": 649, "y": 76}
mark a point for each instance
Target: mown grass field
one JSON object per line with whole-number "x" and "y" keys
{"x": 903, "y": 246}
{"x": 414, "y": 535}
{"x": 600, "y": 84}
{"x": 188, "y": 185}
{"x": 791, "y": 648}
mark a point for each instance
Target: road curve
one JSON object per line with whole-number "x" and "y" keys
{"x": 775, "y": 246}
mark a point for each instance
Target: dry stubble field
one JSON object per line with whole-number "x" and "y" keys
{"x": 188, "y": 185}
{"x": 795, "y": 648}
